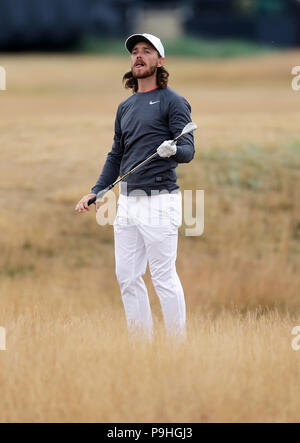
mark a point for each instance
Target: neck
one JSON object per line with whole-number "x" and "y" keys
{"x": 144, "y": 84}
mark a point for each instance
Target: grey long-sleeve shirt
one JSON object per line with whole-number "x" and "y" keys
{"x": 143, "y": 122}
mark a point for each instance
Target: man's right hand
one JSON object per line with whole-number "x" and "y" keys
{"x": 82, "y": 205}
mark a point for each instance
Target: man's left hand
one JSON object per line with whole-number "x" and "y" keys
{"x": 167, "y": 148}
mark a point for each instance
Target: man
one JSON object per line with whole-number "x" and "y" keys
{"x": 149, "y": 206}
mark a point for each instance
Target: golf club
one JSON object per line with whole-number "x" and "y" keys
{"x": 190, "y": 127}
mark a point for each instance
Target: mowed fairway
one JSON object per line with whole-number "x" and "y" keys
{"x": 68, "y": 355}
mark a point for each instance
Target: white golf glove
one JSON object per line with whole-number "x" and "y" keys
{"x": 166, "y": 149}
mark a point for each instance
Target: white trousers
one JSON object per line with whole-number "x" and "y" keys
{"x": 146, "y": 231}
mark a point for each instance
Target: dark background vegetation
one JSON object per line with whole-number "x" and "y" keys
{"x": 77, "y": 24}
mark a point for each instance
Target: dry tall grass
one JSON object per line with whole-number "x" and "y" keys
{"x": 68, "y": 355}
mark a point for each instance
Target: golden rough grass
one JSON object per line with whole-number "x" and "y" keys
{"x": 68, "y": 355}
{"x": 66, "y": 367}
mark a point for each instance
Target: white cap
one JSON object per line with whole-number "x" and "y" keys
{"x": 155, "y": 41}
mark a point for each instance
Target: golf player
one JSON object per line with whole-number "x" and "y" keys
{"x": 150, "y": 205}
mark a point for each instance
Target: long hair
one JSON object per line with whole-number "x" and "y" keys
{"x": 162, "y": 77}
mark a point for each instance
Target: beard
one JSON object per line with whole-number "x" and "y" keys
{"x": 145, "y": 74}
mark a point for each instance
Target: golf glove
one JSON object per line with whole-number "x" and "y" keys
{"x": 167, "y": 148}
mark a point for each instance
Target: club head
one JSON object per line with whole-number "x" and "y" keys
{"x": 189, "y": 128}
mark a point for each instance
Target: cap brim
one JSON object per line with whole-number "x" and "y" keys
{"x": 131, "y": 41}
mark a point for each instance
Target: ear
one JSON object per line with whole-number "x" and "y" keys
{"x": 161, "y": 61}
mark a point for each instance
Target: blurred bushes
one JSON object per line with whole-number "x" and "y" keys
{"x": 185, "y": 46}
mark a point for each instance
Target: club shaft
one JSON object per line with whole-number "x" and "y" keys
{"x": 143, "y": 162}
{"x": 93, "y": 199}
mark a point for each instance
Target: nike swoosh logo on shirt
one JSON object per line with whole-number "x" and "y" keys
{"x": 153, "y": 103}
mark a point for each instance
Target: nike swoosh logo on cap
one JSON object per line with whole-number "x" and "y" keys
{"x": 153, "y": 103}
